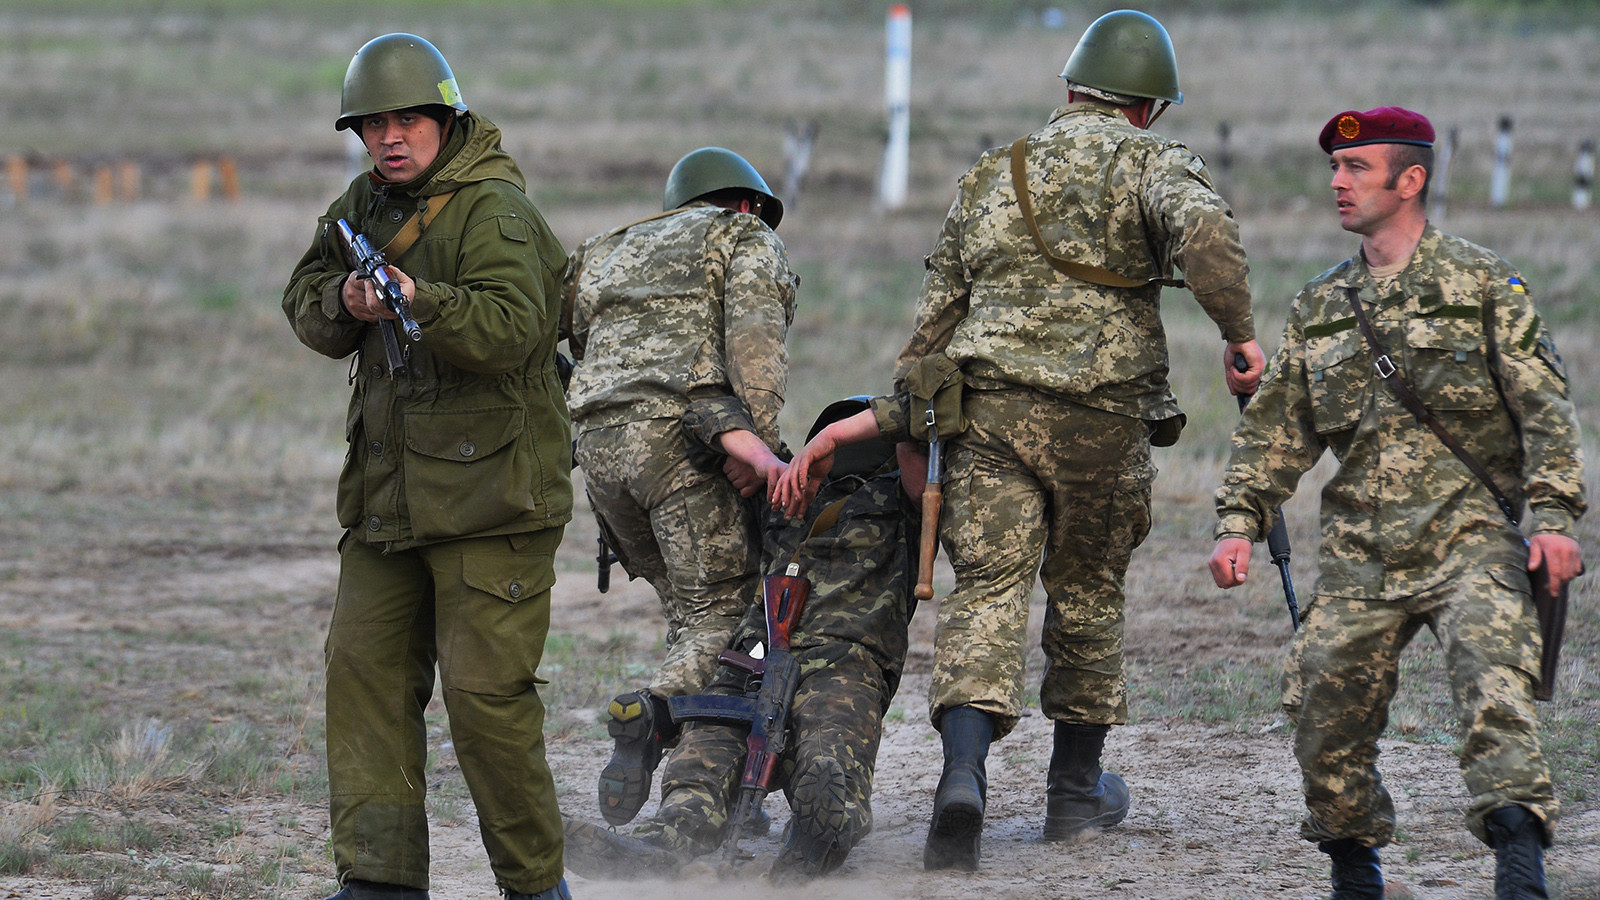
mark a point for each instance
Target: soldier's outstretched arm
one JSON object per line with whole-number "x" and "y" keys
{"x": 810, "y": 466}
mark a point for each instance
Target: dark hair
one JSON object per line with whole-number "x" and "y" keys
{"x": 1403, "y": 157}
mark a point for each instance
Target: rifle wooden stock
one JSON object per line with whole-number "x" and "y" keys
{"x": 784, "y": 597}
{"x": 932, "y": 503}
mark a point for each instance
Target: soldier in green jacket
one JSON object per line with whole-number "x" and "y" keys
{"x": 690, "y": 304}
{"x": 1053, "y": 316}
{"x": 1410, "y": 536}
{"x": 456, "y": 487}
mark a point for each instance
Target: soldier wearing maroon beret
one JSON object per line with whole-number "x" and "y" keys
{"x": 1411, "y": 536}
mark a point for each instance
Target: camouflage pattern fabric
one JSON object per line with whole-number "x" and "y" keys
{"x": 685, "y": 531}
{"x": 690, "y": 305}
{"x": 1344, "y": 668}
{"x": 1036, "y": 476}
{"x": 1106, "y": 194}
{"x": 851, "y": 642}
{"x": 694, "y": 303}
{"x": 1409, "y": 535}
{"x": 1508, "y": 408}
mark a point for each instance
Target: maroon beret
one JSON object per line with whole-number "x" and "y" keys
{"x": 1384, "y": 125}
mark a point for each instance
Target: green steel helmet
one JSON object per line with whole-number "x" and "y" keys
{"x": 396, "y": 71}
{"x": 711, "y": 169}
{"x": 1126, "y": 52}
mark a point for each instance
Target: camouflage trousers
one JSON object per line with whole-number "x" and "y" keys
{"x": 1342, "y": 673}
{"x": 1033, "y": 477}
{"x": 480, "y": 609}
{"x": 687, "y": 532}
{"x": 837, "y": 713}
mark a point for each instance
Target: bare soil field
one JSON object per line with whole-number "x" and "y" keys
{"x": 168, "y": 451}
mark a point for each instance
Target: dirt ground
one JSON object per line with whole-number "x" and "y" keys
{"x": 1214, "y": 808}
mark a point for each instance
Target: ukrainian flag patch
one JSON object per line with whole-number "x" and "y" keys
{"x": 1517, "y": 287}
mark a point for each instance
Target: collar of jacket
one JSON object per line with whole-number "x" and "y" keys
{"x": 1419, "y": 279}
{"x": 1088, "y": 107}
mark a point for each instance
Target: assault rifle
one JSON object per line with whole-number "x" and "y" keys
{"x": 1278, "y": 537}
{"x": 784, "y": 597}
{"x": 369, "y": 262}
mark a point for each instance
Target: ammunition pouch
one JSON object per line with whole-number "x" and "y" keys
{"x": 936, "y": 385}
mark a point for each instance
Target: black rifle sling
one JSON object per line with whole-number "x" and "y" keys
{"x": 1385, "y": 367}
{"x": 1080, "y": 271}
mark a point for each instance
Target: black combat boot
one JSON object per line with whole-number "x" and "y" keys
{"x": 641, "y": 725}
{"x": 1080, "y": 796}
{"x": 824, "y": 826}
{"x": 557, "y": 891}
{"x": 595, "y": 852}
{"x": 1517, "y": 837}
{"x": 1356, "y": 875}
{"x": 355, "y": 889}
{"x": 957, "y": 826}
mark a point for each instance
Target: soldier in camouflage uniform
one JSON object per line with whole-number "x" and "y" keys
{"x": 457, "y": 484}
{"x": 1066, "y": 388}
{"x": 851, "y": 644}
{"x": 693, "y": 303}
{"x": 1410, "y": 537}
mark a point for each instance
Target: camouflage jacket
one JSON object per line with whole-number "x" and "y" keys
{"x": 1106, "y": 194}
{"x": 861, "y": 572}
{"x": 681, "y": 306}
{"x": 474, "y": 438}
{"x": 1401, "y": 513}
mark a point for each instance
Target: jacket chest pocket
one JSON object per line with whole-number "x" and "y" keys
{"x": 1339, "y": 376}
{"x": 1446, "y": 368}
{"x": 465, "y": 471}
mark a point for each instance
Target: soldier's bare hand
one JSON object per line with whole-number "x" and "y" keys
{"x": 1230, "y": 562}
{"x": 745, "y": 478}
{"x": 1247, "y": 381}
{"x": 358, "y": 296}
{"x": 1558, "y": 556}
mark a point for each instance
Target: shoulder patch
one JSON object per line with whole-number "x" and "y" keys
{"x": 1518, "y": 286}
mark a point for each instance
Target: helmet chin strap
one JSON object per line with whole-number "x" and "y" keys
{"x": 1157, "y": 114}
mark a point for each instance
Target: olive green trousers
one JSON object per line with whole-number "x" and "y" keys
{"x": 479, "y": 609}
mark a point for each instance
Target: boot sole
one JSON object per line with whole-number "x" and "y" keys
{"x": 625, "y": 781}
{"x": 818, "y": 843}
{"x": 955, "y": 836}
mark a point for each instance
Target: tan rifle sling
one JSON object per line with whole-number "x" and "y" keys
{"x": 414, "y": 226}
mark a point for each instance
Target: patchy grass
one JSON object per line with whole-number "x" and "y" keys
{"x": 168, "y": 451}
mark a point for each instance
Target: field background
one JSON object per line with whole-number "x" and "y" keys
{"x": 168, "y": 450}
